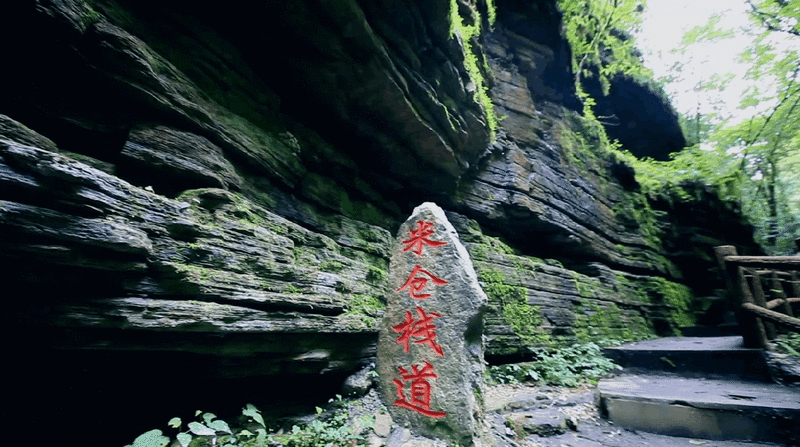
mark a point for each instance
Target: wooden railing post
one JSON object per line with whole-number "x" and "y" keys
{"x": 758, "y": 334}
{"x": 752, "y": 328}
{"x": 795, "y": 285}
{"x": 761, "y": 300}
{"x": 777, "y": 288}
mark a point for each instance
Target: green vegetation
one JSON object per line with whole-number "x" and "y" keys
{"x": 596, "y": 316}
{"x": 790, "y": 344}
{"x": 489, "y": 245}
{"x": 524, "y": 266}
{"x": 752, "y": 156}
{"x": 89, "y": 16}
{"x": 679, "y": 297}
{"x": 366, "y": 309}
{"x": 327, "y": 429}
{"x": 753, "y": 163}
{"x": 594, "y": 321}
{"x": 586, "y": 146}
{"x": 596, "y": 31}
{"x": 460, "y": 27}
{"x": 584, "y": 142}
{"x": 491, "y": 12}
{"x": 668, "y": 179}
{"x": 566, "y": 366}
{"x": 331, "y": 266}
{"x": 376, "y": 275}
{"x": 585, "y": 285}
{"x": 205, "y": 275}
{"x": 525, "y": 320}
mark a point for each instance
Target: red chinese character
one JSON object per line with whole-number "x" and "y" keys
{"x": 420, "y": 390}
{"x": 415, "y": 285}
{"x": 419, "y": 237}
{"x": 422, "y": 328}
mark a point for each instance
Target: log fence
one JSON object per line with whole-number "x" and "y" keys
{"x": 762, "y": 290}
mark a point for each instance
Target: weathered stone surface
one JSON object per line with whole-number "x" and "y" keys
{"x": 536, "y": 302}
{"x": 189, "y": 165}
{"x": 171, "y": 160}
{"x": 430, "y": 340}
{"x": 543, "y": 423}
{"x": 210, "y": 262}
{"x": 536, "y": 187}
{"x": 641, "y": 117}
{"x": 359, "y": 384}
{"x": 17, "y": 132}
{"x": 376, "y": 66}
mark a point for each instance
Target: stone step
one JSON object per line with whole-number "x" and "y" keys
{"x": 692, "y": 356}
{"x": 703, "y": 408}
{"x": 722, "y": 330}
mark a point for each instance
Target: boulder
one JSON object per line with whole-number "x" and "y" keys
{"x": 430, "y": 347}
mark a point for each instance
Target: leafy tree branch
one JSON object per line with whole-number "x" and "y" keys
{"x": 594, "y": 30}
{"x": 773, "y": 20}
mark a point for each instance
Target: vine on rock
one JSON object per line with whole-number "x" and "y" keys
{"x": 593, "y": 29}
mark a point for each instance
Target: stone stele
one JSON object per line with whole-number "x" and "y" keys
{"x": 430, "y": 347}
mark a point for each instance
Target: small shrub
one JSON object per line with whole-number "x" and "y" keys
{"x": 332, "y": 429}
{"x": 211, "y": 431}
{"x": 790, "y": 344}
{"x": 567, "y": 366}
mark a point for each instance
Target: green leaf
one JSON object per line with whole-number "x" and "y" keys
{"x": 219, "y": 425}
{"x": 252, "y": 411}
{"x": 197, "y": 413}
{"x": 708, "y": 32}
{"x": 208, "y": 417}
{"x": 200, "y": 429}
{"x": 261, "y": 438}
{"x": 174, "y": 422}
{"x": 789, "y": 349}
{"x": 184, "y": 439}
{"x": 152, "y": 438}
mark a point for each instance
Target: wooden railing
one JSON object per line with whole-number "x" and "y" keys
{"x": 762, "y": 290}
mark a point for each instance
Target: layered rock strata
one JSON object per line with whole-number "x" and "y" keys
{"x": 186, "y": 196}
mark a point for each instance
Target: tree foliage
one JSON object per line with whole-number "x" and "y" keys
{"x": 765, "y": 148}
{"x": 465, "y": 31}
{"x": 755, "y": 161}
{"x": 597, "y": 31}
{"x": 777, "y": 15}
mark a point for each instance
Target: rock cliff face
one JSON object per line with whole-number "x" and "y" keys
{"x": 193, "y": 192}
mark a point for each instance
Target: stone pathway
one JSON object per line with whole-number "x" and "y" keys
{"x": 541, "y": 416}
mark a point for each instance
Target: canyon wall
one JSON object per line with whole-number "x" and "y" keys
{"x": 202, "y": 192}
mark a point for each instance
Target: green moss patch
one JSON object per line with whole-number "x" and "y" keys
{"x": 606, "y": 321}
{"x": 678, "y": 297}
{"x": 364, "y": 311}
{"x": 460, "y": 27}
{"x": 525, "y": 320}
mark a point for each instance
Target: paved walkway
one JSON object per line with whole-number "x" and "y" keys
{"x": 702, "y": 392}
{"x": 533, "y": 404}
{"x": 726, "y": 343}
